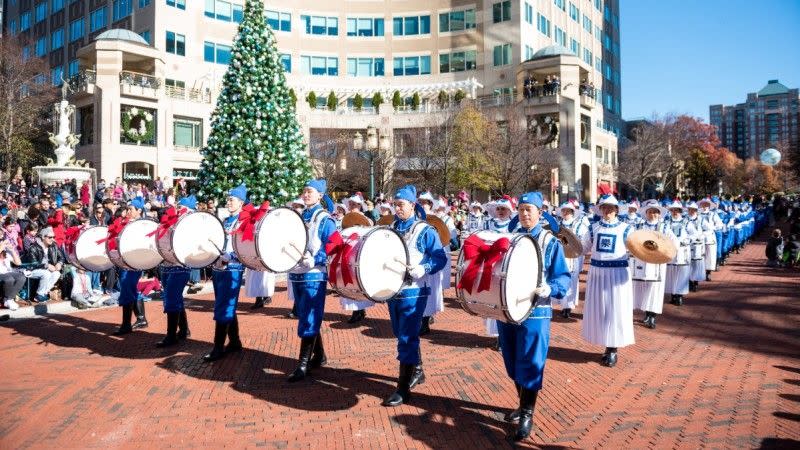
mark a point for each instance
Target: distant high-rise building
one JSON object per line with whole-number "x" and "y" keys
{"x": 768, "y": 119}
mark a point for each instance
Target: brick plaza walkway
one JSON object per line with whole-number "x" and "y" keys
{"x": 723, "y": 371}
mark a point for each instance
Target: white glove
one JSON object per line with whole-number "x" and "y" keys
{"x": 308, "y": 261}
{"x": 543, "y": 291}
{"x": 417, "y": 272}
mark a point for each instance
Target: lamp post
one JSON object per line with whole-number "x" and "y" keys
{"x": 375, "y": 142}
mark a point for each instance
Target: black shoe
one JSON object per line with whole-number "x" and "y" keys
{"x": 318, "y": 358}
{"x": 527, "y": 402}
{"x": 194, "y": 289}
{"x": 708, "y": 275}
{"x": 234, "y": 343}
{"x": 679, "y": 300}
{"x": 267, "y": 300}
{"x": 403, "y": 392}
{"x": 258, "y": 304}
{"x": 426, "y": 326}
{"x": 172, "y": 327}
{"x": 183, "y": 327}
{"x": 357, "y": 316}
{"x": 652, "y": 323}
{"x": 513, "y": 416}
{"x": 496, "y": 346}
{"x": 566, "y": 313}
{"x": 306, "y": 348}
{"x": 218, "y": 352}
{"x": 611, "y": 357}
{"x": 141, "y": 320}
{"x": 418, "y": 377}
{"x": 125, "y": 326}
{"x": 293, "y": 313}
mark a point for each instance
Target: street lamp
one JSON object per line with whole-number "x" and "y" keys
{"x": 374, "y": 143}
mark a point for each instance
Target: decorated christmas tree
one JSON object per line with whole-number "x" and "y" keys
{"x": 255, "y": 138}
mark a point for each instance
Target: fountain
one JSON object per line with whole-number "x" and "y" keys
{"x": 65, "y": 167}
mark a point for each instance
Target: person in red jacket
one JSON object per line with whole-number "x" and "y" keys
{"x": 86, "y": 196}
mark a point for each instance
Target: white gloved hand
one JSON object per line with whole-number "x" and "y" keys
{"x": 308, "y": 261}
{"x": 543, "y": 291}
{"x": 417, "y": 272}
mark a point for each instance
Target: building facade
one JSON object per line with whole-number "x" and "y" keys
{"x": 172, "y": 58}
{"x": 767, "y": 119}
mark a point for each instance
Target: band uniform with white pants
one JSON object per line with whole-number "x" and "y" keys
{"x": 226, "y": 277}
{"x": 309, "y": 279}
{"x": 649, "y": 279}
{"x": 426, "y": 258}
{"x": 129, "y": 279}
{"x": 525, "y": 346}
{"x": 501, "y": 211}
{"x": 608, "y": 312}
{"x": 713, "y": 226}
{"x": 678, "y": 270}
{"x": 358, "y": 307}
{"x": 698, "y": 230}
{"x": 260, "y": 285}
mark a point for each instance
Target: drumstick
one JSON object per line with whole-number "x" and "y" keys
{"x": 215, "y": 246}
{"x": 406, "y": 265}
{"x": 301, "y": 252}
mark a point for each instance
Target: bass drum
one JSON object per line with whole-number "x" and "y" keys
{"x": 279, "y": 240}
{"x": 510, "y": 297}
{"x": 193, "y": 241}
{"x": 86, "y": 254}
{"x": 136, "y": 246}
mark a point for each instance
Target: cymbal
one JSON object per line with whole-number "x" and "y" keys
{"x": 651, "y": 246}
{"x": 355, "y": 219}
{"x": 441, "y": 228}
{"x": 387, "y": 219}
{"x": 572, "y": 245}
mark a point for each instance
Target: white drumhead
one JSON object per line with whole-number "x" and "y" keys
{"x": 380, "y": 275}
{"x": 521, "y": 278}
{"x": 279, "y": 234}
{"x": 196, "y": 238}
{"x": 137, "y": 249}
{"x": 91, "y": 255}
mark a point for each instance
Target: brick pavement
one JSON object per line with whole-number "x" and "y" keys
{"x": 723, "y": 371}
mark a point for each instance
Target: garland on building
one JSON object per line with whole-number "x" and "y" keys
{"x": 138, "y": 125}
{"x": 255, "y": 137}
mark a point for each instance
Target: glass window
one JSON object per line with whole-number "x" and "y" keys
{"x": 121, "y": 9}
{"x": 444, "y": 63}
{"x": 411, "y": 26}
{"x": 223, "y": 11}
{"x": 543, "y": 25}
{"x": 72, "y": 68}
{"x": 502, "y": 54}
{"x": 176, "y": 43}
{"x": 208, "y": 52}
{"x": 501, "y": 11}
{"x": 56, "y": 5}
{"x": 41, "y": 47}
{"x": 286, "y": 61}
{"x": 26, "y": 53}
{"x": 457, "y": 21}
{"x": 145, "y": 3}
{"x": 320, "y": 25}
{"x": 76, "y": 30}
{"x": 424, "y": 24}
{"x": 528, "y": 13}
{"x": 278, "y": 21}
{"x": 238, "y": 16}
{"x": 561, "y": 4}
{"x": 146, "y": 36}
{"x": 223, "y": 54}
{"x": 25, "y": 21}
{"x": 180, "y": 4}
{"x": 97, "y": 19}
{"x": 57, "y": 39}
{"x": 575, "y": 47}
{"x": 574, "y": 12}
{"x": 56, "y": 73}
{"x": 41, "y": 12}
{"x": 12, "y": 27}
{"x": 561, "y": 36}
{"x": 412, "y": 65}
{"x": 587, "y": 23}
{"x": 187, "y": 132}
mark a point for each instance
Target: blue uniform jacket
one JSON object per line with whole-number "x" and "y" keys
{"x": 434, "y": 257}
{"x": 556, "y": 272}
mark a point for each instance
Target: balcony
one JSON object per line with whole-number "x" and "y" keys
{"x": 495, "y": 101}
{"x": 588, "y": 95}
{"x": 83, "y": 83}
{"x": 139, "y": 84}
{"x": 192, "y": 95}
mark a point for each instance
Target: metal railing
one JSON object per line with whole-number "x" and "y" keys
{"x": 191, "y": 94}
{"x": 142, "y": 80}
{"x": 81, "y": 81}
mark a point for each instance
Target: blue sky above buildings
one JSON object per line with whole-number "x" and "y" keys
{"x": 683, "y": 55}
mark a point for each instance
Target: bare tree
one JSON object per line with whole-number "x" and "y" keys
{"x": 646, "y": 156}
{"x": 22, "y": 102}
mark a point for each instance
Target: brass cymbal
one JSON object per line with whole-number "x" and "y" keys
{"x": 572, "y": 245}
{"x": 651, "y": 246}
{"x": 355, "y": 219}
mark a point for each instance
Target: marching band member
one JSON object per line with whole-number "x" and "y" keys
{"x": 711, "y": 220}
{"x": 298, "y": 206}
{"x": 633, "y": 218}
{"x": 569, "y": 220}
{"x": 649, "y": 294}
{"x": 435, "y": 302}
{"x": 309, "y": 279}
{"x": 260, "y": 285}
{"x": 678, "y": 270}
{"x": 501, "y": 212}
{"x": 359, "y": 308}
{"x": 446, "y": 274}
{"x": 129, "y": 279}
{"x": 226, "y": 277}
{"x": 174, "y": 280}
{"x": 475, "y": 220}
{"x": 608, "y": 312}
{"x": 698, "y": 229}
{"x": 525, "y": 346}
{"x": 427, "y": 258}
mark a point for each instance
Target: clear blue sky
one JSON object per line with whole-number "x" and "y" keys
{"x": 683, "y": 55}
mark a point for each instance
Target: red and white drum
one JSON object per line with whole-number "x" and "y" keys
{"x": 514, "y": 279}
{"x": 86, "y": 254}
{"x": 136, "y": 246}
{"x": 372, "y": 264}
{"x": 193, "y": 241}
{"x": 279, "y": 240}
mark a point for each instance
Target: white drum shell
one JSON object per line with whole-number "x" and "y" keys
{"x": 193, "y": 241}
{"x": 279, "y": 240}
{"x": 698, "y": 250}
{"x": 87, "y": 254}
{"x": 682, "y": 256}
{"x": 377, "y": 274}
{"x": 514, "y": 280}
{"x": 643, "y": 271}
{"x": 135, "y": 249}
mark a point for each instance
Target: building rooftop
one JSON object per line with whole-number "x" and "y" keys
{"x": 118, "y": 34}
{"x": 551, "y": 50}
{"x": 773, "y": 87}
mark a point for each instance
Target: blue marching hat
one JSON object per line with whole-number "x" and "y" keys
{"x": 320, "y": 184}
{"x": 407, "y": 192}
{"x": 532, "y": 198}
{"x": 189, "y": 202}
{"x": 137, "y": 202}
{"x": 239, "y": 192}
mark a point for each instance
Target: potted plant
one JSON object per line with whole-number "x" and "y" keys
{"x": 443, "y": 99}
{"x": 358, "y": 102}
{"x": 311, "y": 98}
{"x": 415, "y": 101}
{"x": 460, "y": 95}
{"x": 397, "y": 100}
{"x": 332, "y": 101}
{"x": 377, "y": 100}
